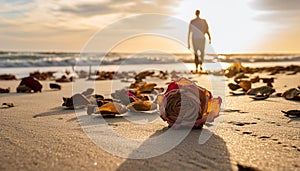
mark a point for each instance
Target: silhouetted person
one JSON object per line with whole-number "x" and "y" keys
{"x": 198, "y": 28}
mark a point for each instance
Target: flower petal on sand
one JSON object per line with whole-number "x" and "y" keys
{"x": 142, "y": 106}
{"x": 111, "y": 108}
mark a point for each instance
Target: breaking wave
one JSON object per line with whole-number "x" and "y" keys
{"x": 35, "y": 59}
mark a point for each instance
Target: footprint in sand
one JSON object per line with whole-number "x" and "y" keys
{"x": 264, "y": 137}
{"x": 274, "y": 123}
{"x": 246, "y": 168}
{"x": 241, "y": 123}
{"x": 234, "y": 111}
{"x": 295, "y": 147}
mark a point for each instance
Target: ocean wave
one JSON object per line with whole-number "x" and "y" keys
{"x": 32, "y": 59}
{"x": 72, "y": 60}
{"x": 252, "y": 58}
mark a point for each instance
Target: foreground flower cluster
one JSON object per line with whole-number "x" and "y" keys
{"x": 185, "y": 104}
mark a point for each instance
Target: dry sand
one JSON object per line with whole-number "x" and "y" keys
{"x": 37, "y": 134}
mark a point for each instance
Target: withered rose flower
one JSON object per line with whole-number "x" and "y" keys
{"x": 185, "y": 104}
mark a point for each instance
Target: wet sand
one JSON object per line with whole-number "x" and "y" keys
{"x": 38, "y": 134}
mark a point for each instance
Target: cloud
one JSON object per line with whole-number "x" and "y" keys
{"x": 38, "y": 21}
{"x": 284, "y": 14}
{"x": 282, "y": 20}
{"x": 282, "y": 17}
{"x": 276, "y": 5}
{"x": 77, "y": 14}
{"x": 95, "y": 14}
{"x": 9, "y": 7}
{"x": 88, "y": 9}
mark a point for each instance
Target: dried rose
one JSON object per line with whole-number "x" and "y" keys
{"x": 185, "y": 104}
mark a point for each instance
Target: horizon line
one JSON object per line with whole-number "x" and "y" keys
{"x": 211, "y": 54}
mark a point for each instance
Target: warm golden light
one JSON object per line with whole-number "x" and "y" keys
{"x": 235, "y": 25}
{"x": 146, "y": 43}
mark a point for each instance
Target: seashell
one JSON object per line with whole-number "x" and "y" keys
{"x": 269, "y": 84}
{"x": 102, "y": 102}
{"x": 268, "y": 80}
{"x": 64, "y": 79}
{"x": 146, "y": 88}
{"x": 264, "y": 90}
{"x": 234, "y": 69}
{"x": 137, "y": 84}
{"x": 91, "y": 109}
{"x": 239, "y": 77}
{"x": 292, "y": 94}
{"x": 122, "y": 95}
{"x": 255, "y": 79}
{"x": 233, "y": 86}
{"x": 295, "y": 113}
{"x": 143, "y": 98}
{"x": 98, "y": 96}
{"x": 8, "y": 105}
{"x": 260, "y": 97}
{"x": 245, "y": 85}
{"x": 108, "y": 100}
{"x": 41, "y": 75}
{"x": 23, "y": 89}
{"x": 55, "y": 86}
{"x": 79, "y": 100}
{"x": 143, "y": 75}
{"x": 160, "y": 89}
{"x": 237, "y": 93}
{"x": 88, "y": 92}
{"x": 111, "y": 108}
{"x": 7, "y": 77}
{"x": 5, "y": 90}
{"x": 32, "y": 83}
{"x": 75, "y": 101}
{"x": 142, "y": 106}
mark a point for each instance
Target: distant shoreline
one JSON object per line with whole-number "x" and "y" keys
{"x": 176, "y": 53}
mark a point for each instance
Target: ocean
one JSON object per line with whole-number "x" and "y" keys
{"x": 22, "y": 63}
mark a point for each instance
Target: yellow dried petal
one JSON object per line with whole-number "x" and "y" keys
{"x": 142, "y": 106}
{"x": 111, "y": 108}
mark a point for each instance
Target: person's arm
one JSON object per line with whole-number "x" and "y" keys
{"x": 207, "y": 32}
{"x": 189, "y": 35}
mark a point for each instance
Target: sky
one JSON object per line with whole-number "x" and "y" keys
{"x": 236, "y": 26}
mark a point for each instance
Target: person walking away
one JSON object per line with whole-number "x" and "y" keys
{"x": 198, "y": 28}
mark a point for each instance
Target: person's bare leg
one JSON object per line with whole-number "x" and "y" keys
{"x": 196, "y": 62}
{"x": 202, "y": 58}
{"x": 200, "y": 67}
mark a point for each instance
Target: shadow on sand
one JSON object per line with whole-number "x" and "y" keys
{"x": 188, "y": 155}
{"x": 55, "y": 111}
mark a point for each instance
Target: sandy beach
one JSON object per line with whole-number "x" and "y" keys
{"x": 39, "y": 134}
{"x": 117, "y": 85}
